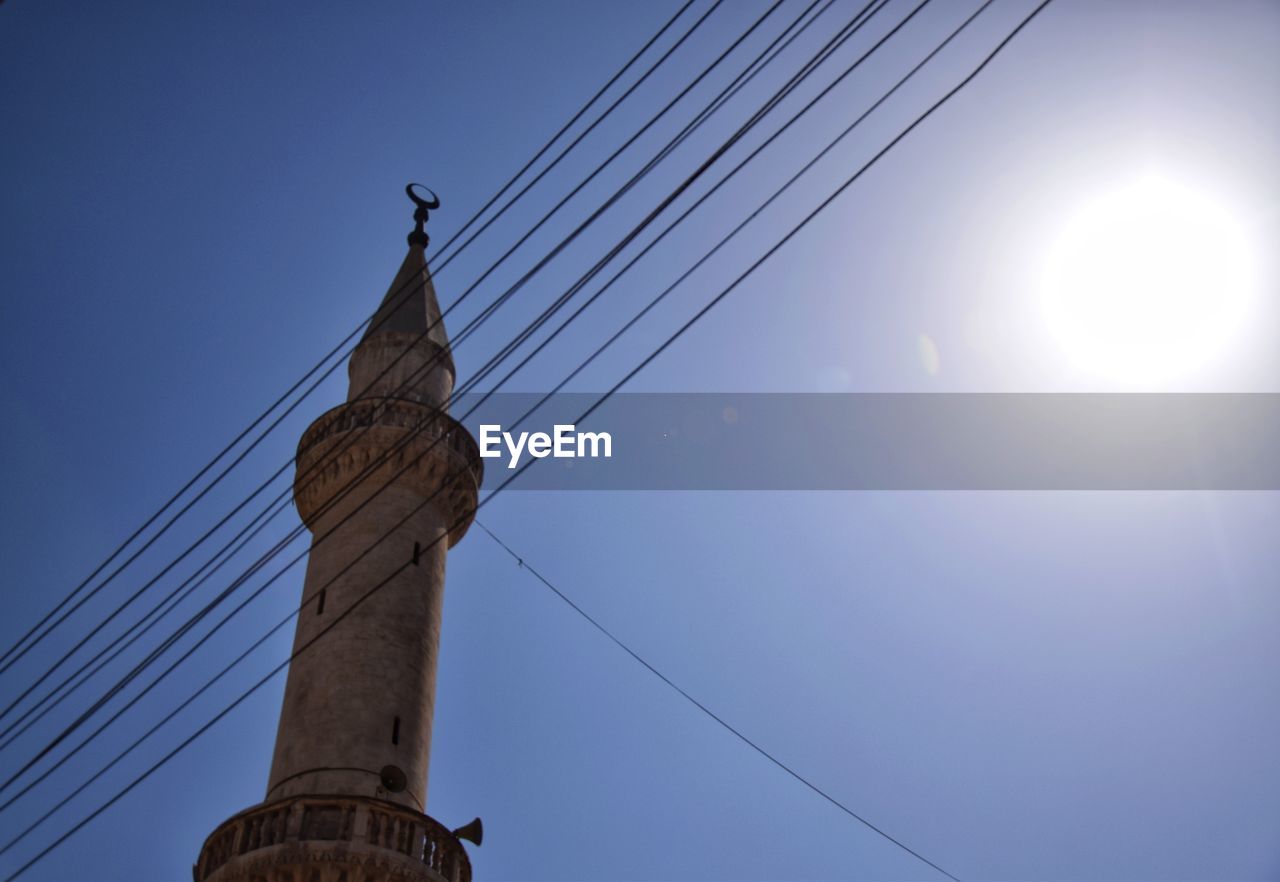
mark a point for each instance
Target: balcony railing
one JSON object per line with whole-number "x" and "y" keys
{"x": 361, "y": 826}
{"x": 398, "y": 413}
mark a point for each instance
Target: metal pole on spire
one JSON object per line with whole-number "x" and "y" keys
{"x": 419, "y": 234}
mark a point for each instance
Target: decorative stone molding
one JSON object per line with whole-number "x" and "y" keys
{"x": 418, "y": 355}
{"x": 331, "y": 839}
{"x": 434, "y": 454}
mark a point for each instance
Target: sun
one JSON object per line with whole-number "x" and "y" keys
{"x": 1148, "y": 283}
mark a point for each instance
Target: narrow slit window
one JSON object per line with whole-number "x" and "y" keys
{"x": 395, "y": 731}
{"x": 320, "y": 602}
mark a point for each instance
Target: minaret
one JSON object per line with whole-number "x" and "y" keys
{"x": 386, "y": 483}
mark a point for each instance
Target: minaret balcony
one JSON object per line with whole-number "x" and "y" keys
{"x": 356, "y": 448}
{"x": 330, "y": 838}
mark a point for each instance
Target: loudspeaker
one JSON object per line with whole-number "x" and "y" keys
{"x": 393, "y": 779}
{"x": 473, "y": 832}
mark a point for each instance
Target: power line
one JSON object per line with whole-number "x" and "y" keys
{"x": 528, "y": 186}
{"x": 751, "y": 70}
{"x": 6, "y": 665}
{"x": 17, "y": 650}
{"x": 715, "y": 188}
{"x": 662, "y": 295}
{"x": 608, "y": 203}
{"x": 843, "y": 34}
{"x": 519, "y": 471}
{"x": 556, "y": 137}
{"x": 470, "y": 327}
{"x": 796, "y": 78}
{"x": 725, "y": 724}
{"x": 851, "y": 27}
{"x": 811, "y": 103}
{"x": 109, "y": 653}
{"x": 8, "y": 657}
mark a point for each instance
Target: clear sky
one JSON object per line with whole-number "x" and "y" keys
{"x": 201, "y": 199}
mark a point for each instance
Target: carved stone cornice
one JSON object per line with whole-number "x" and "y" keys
{"x": 331, "y": 839}
{"x": 367, "y": 443}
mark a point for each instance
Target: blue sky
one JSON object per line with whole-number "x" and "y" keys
{"x": 201, "y": 200}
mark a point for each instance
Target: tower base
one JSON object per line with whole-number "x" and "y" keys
{"x": 331, "y": 839}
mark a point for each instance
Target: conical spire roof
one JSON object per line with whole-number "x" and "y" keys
{"x": 410, "y": 305}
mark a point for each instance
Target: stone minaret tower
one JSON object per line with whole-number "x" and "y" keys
{"x": 347, "y": 790}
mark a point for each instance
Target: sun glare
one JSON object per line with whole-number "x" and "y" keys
{"x": 1148, "y": 283}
